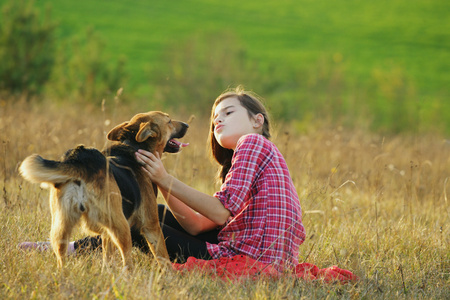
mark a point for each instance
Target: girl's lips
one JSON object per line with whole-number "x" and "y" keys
{"x": 218, "y": 127}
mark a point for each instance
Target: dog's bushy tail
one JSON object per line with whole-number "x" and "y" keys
{"x": 77, "y": 164}
{"x": 39, "y": 170}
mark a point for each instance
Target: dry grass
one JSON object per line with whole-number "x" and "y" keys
{"x": 377, "y": 206}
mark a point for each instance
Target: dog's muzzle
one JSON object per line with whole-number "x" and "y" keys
{"x": 173, "y": 145}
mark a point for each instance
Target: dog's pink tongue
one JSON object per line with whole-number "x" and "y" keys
{"x": 180, "y": 144}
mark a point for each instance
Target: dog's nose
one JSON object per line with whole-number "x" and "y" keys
{"x": 184, "y": 128}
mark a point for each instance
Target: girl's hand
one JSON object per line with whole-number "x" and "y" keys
{"x": 208, "y": 206}
{"x": 152, "y": 165}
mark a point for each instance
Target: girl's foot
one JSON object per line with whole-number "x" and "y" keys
{"x": 43, "y": 247}
{"x": 38, "y": 246}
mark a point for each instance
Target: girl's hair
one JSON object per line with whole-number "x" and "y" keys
{"x": 254, "y": 106}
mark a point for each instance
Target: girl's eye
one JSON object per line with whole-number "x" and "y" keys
{"x": 228, "y": 113}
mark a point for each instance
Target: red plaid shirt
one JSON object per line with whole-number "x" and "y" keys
{"x": 266, "y": 217}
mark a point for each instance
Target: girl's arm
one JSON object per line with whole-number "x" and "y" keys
{"x": 191, "y": 221}
{"x": 205, "y": 204}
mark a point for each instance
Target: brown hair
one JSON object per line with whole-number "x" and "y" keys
{"x": 252, "y": 103}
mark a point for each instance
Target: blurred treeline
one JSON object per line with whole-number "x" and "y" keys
{"x": 41, "y": 64}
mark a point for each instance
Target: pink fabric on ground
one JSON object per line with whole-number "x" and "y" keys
{"x": 241, "y": 266}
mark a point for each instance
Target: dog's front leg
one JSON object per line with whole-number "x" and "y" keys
{"x": 155, "y": 240}
{"x": 107, "y": 249}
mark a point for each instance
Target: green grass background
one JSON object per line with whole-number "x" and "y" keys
{"x": 368, "y": 35}
{"x": 384, "y": 62}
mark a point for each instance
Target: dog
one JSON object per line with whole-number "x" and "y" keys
{"x": 108, "y": 191}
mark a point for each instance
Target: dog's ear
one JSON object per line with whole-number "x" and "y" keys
{"x": 114, "y": 134}
{"x": 146, "y": 131}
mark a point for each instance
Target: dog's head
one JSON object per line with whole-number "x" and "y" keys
{"x": 152, "y": 131}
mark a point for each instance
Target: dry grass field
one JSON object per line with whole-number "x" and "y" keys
{"x": 375, "y": 205}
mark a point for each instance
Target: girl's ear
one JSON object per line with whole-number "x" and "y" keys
{"x": 259, "y": 121}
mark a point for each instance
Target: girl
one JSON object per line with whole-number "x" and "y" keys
{"x": 256, "y": 212}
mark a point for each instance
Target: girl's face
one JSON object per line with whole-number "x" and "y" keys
{"x": 232, "y": 120}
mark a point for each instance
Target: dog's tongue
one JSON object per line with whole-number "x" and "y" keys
{"x": 179, "y": 144}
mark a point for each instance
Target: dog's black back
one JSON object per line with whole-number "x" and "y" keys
{"x": 88, "y": 161}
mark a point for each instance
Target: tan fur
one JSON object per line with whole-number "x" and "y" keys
{"x": 97, "y": 203}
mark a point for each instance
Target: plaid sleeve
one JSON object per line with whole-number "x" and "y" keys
{"x": 249, "y": 160}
